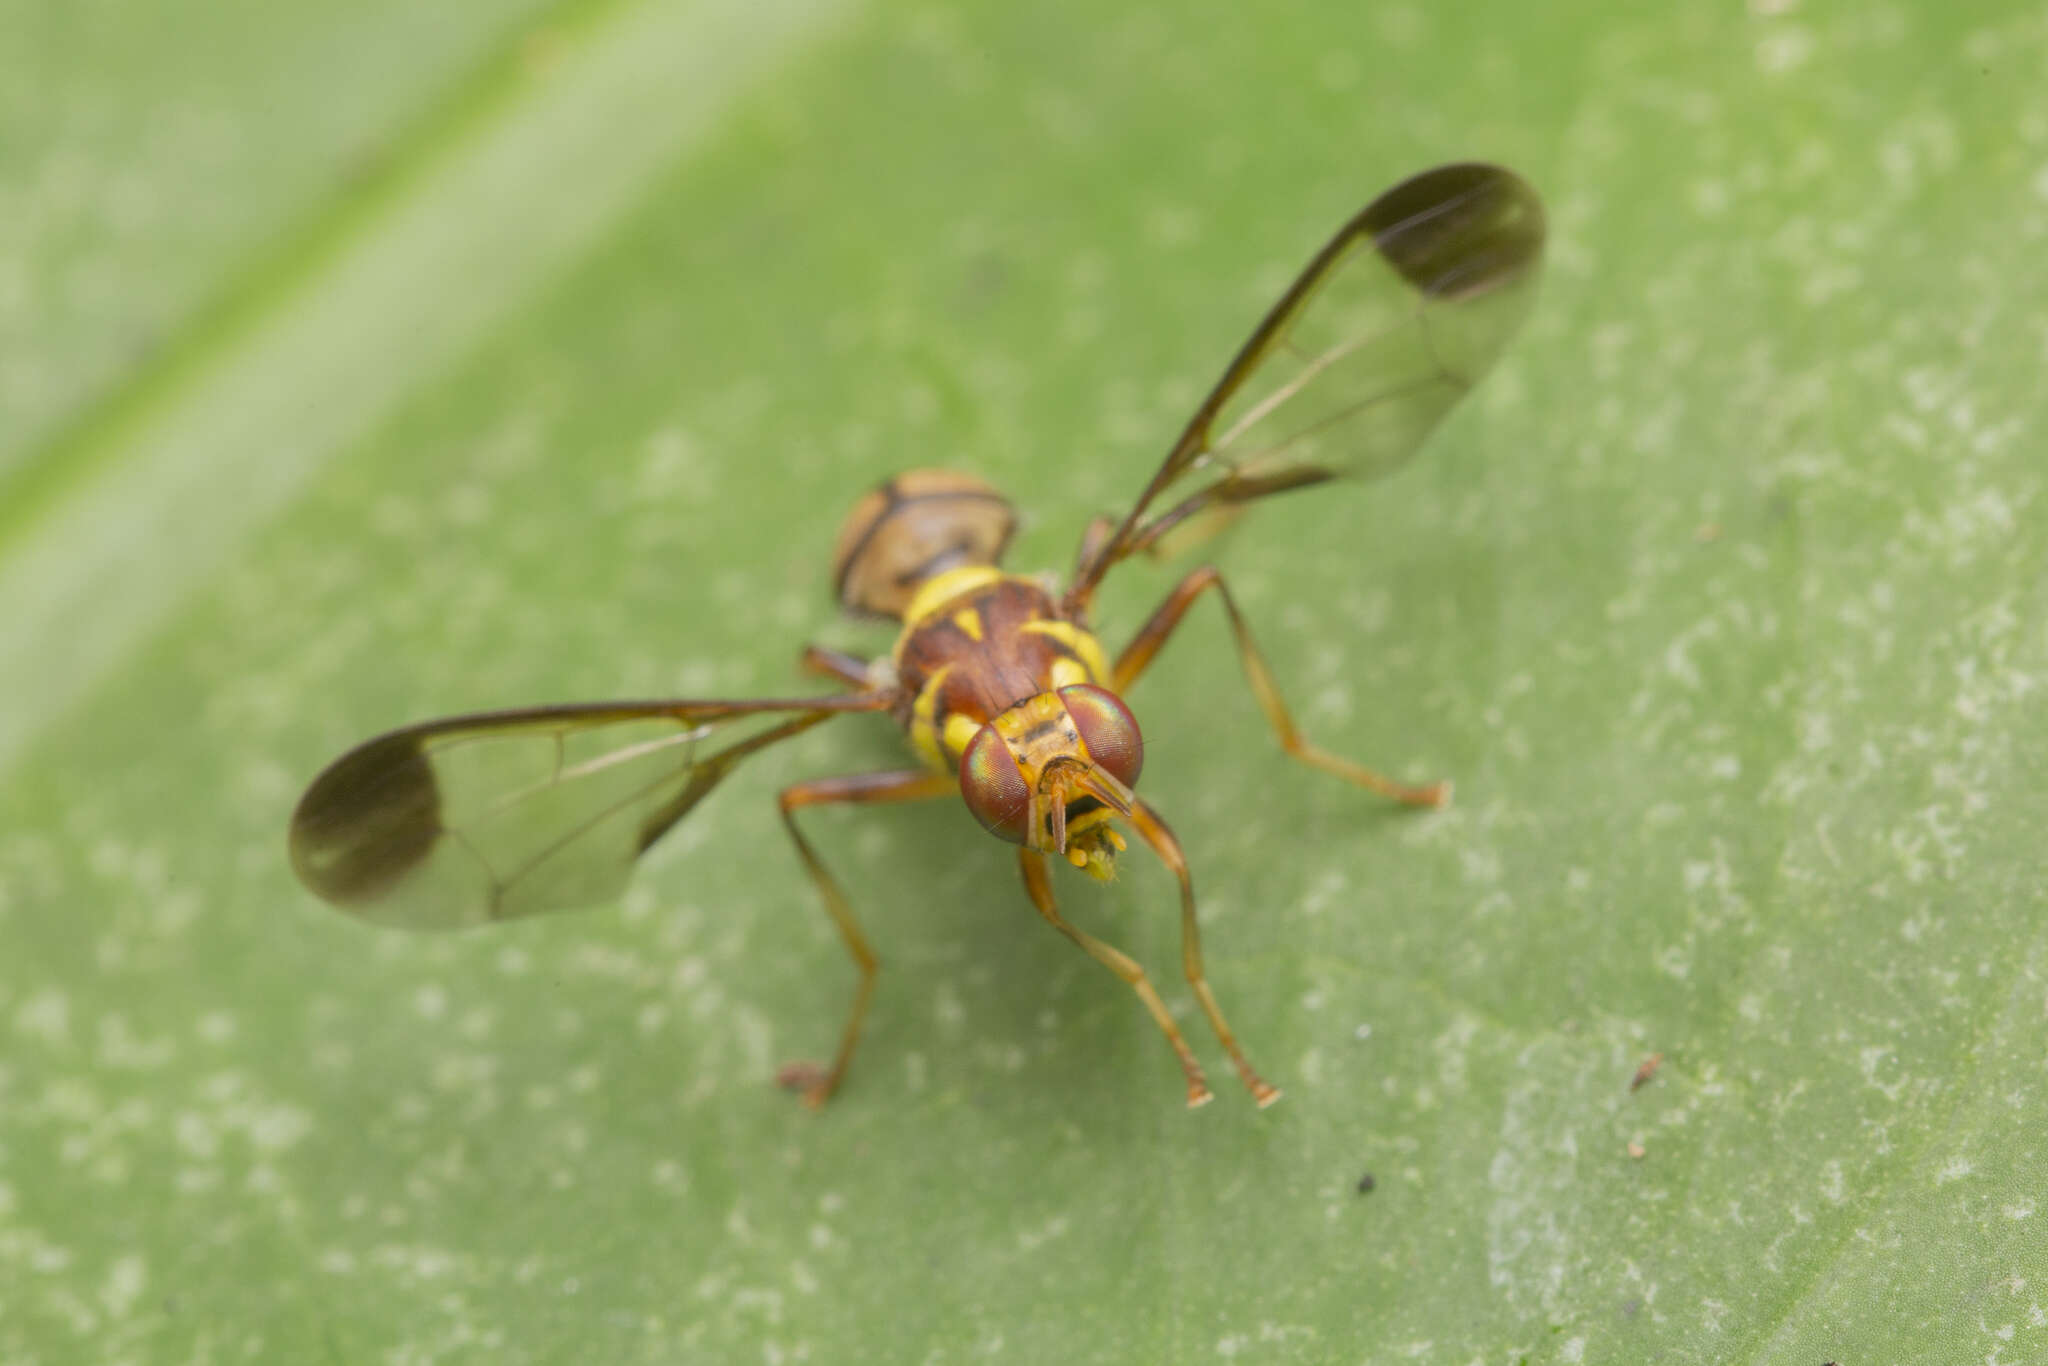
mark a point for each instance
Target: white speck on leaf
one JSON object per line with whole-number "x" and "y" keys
{"x": 1785, "y": 50}
{"x": 124, "y": 1284}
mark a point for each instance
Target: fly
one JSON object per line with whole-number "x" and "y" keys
{"x": 1001, "y": 685}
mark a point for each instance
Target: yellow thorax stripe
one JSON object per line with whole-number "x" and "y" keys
{"x": 1084, "y": 645}
{"x": 940, "y": 589}
{"x": 960, "y": 731}
{"x": 924, "y": 721}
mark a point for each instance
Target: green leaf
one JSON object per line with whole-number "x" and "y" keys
{"x": 365, "y": 363}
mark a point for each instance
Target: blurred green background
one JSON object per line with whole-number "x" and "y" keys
{"x": 366, "y": 362}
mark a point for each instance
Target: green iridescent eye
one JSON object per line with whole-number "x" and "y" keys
{"x": 993, "y": 786}
{"x": 1108, "y": 729}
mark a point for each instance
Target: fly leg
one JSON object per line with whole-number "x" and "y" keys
{"x": 1154, "y": 832}
{"x": 903, "y": 785}
{"x": 1092, "y": 540}
{"x": 848, "y": 669}
{"x": 1039, "y": 885}
{"x": 1153, "y": 634}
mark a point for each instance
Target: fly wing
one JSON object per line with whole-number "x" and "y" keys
{"x": 480, "y": 818}
{"x": 1404, "y": 310}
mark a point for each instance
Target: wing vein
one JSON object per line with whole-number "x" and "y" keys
{"x": 575, "y": 832}
{"x": 1310, "y": 369}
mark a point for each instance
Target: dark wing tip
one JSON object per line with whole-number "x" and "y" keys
{"x": 1458, "y": 230}
{"x": 370, "y": 817}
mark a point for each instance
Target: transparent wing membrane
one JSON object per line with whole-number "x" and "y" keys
{"x": 481, "y": 818}
{"x": 1403, "y": 311}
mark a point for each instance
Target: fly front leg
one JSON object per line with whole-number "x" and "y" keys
{"x": 904, "y": 785}
{"x": 1139, "y": 653}
{"x": 1154, "y": 832}
{"x": 1039, "y": 885}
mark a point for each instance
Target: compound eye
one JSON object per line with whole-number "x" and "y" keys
{"x": 1108, "y": 729}
{"x": 994, "y": 787}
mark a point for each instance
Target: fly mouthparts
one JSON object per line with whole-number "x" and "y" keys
{"x": 1105, "y": 789}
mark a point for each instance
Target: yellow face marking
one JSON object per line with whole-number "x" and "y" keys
{"x": 924, "y": 727}
{"x": 1083, "y": 643}
{"x": 969, "y": 622}
{"x": 1038, "y": 729}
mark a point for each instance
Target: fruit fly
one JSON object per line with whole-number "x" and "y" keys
{"x": 999, "y": 681}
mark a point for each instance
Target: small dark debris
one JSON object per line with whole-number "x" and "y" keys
{"x": 1366, "y": 1183}
{"x": 1646, "y": 1071}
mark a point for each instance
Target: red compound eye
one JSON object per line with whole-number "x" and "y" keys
{"x": 1108, "y": 729}
{"x": 993, "y": 786}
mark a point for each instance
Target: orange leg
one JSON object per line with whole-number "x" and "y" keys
{"x": 1039, "y": 885}
{"x": 1154, "y": 832}
{"x": 850, "y": 669}
{"x": 904, "y": 785}
{"x": 1154, "y": 633}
